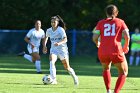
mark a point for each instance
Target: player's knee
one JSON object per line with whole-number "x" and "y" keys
{"x": 66, "y": 67}
{"x": 126, "y": 73}
{"x": 106, "y": 68}
{"x": 123, "y": 73}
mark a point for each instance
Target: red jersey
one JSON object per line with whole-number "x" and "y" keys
{"x": 111, "y": 35}
{"x": 110, "y": 49}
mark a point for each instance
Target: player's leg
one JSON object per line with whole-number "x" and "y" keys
{"x": 106, "y": 65}
{"x": 37, "y": 61}
{"x": 107, "y": 76}
{"x": 123, "y": 71}
{"x": 36, "y": 58}
{"x": 65, "y": 61}
{"x": 137, "y": 57}
{"x": 53, "y": 58}
{"x": 27, "y": 56}
{"x": 131, "y": 58}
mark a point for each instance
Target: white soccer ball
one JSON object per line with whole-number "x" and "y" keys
{"x": 47, "y": 79}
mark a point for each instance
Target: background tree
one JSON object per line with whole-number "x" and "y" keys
{"x": 78, "y": 14}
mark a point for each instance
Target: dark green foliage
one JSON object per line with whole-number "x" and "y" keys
{"x": 78, "y": 14}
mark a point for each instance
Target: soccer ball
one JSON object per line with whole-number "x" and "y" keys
{"x": 47, "y": 79}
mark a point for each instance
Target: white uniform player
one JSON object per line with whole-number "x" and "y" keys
{"x": 62, "y": 50}
{"x": 58, "y": 48}
{"x": 33, "y": 38}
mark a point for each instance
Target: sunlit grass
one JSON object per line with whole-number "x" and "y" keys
{"x": 17, "y": 75}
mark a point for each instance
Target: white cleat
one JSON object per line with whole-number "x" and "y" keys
{"x": 54, "y": 82}
{"x": 76, "y": 81}
{"x": 109, "y": 91}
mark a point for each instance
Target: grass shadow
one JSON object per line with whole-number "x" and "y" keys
{"x": 83, "y": 65}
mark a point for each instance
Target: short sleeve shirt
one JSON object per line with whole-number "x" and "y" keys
{"x": 36, "y": 36}
{"x": 110, "y": 31}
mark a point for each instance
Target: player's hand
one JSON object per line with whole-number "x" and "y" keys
{"x": 98, "y": 45}
{"x": 32, "y": 45}
{"x": 125, "y": 49}
{"x": 56, "y": 44}
{"x": 44, "y": 50}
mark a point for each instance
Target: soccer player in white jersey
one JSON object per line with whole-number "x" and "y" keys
{"x": 33, "y": 38}
{"x": 59, "y": 48}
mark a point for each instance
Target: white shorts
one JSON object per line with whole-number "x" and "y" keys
{"x": 30, "y": 50}
{"x": 60, "y": 54}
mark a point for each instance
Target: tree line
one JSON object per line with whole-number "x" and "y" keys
{"x": 77, "y": 14}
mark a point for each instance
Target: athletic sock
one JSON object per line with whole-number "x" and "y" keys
{"x": 52, "y": 70}
{"x": 131, "y": 60}
{"x": 107, "y": 79}
{"x": 75, "y": 78}
{"x": 38, "y": 65}
{"x": 137, "y": 60}
{"x": 120, "y": 82}
{"x": 28, "y": 57}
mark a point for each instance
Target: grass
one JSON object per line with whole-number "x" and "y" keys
{"x": 17, "y": 75}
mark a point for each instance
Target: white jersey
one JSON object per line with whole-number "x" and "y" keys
{"x": 57, "y": 36}
{"x": 35, "y": 36}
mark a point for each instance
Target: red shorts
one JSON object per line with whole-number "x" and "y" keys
{"x": 114, "y": 58}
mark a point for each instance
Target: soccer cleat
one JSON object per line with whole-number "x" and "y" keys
{"x": 76, "y": 81}
{"x": 54, "y": 82}
{"x": 21, "y": 54}
{"x": 109, "y": 91}
{"x": 39, "y": 72}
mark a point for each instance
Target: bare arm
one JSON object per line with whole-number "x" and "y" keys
{"x": 44, "y": 42}
{"x": 127, "y": 40}
{"x": 95, "y": 39}
{"x": 27, "y": 40}
{"x": 64, "y": 40}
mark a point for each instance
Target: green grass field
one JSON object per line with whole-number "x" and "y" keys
{"x": 17, "y": 75}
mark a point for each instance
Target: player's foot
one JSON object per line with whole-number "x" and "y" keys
{"x": 76, "y": 81}
{"x": 54, "y": 82}
{"x": 21, "y": 54}
{"x": 109, "y": 91}
{"x": 39, "y": 72}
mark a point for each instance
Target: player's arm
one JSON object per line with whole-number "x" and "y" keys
{"x": 27, "y": 40}
{"x": 64, "y": 40}
{"x": 95, "y": 37}
{"x": 127, "y": 40}
{"x": 44, "y": 42}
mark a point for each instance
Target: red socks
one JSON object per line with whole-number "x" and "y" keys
{"x": 120, "y": 82}
{"x": 107, "y": 79}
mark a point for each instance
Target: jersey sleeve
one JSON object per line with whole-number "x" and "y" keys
{"x": 47, "y": 33}
{"x": 43, "y": 36}
{"x": 95, "y": 31}
{"x": 124, "y": 26}
{"x": 63, "y": 33}
{"x": 29, "y": 34}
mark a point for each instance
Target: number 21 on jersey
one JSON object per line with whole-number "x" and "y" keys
{"x": 109, "y": 30}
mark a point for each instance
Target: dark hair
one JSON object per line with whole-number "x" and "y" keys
{"x": 111, "y": 10}
{"x": 60, "y": 20}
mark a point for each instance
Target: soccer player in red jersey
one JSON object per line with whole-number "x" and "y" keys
{"x": 110, "y": 49}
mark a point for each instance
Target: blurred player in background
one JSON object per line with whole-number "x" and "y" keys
{"x": 59, "y": 48}
{"x": 110, "y": 49}
{"x": 135, "y": 47}
{"x": 33, "y": 38}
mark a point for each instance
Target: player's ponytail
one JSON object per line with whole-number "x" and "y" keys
{"x": 61, "y": 22}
